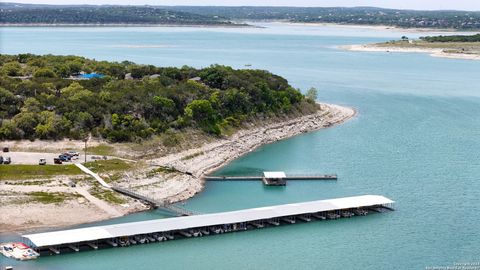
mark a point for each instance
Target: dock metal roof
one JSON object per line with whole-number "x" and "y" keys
{"x": 178, "y": 223}
{"x": 272, "y": 175}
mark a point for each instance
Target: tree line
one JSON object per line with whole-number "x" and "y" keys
{"x": 42, "y": 97}
{"x": 223, "y": 15}
{"x": 44, "y": 14}
{"x": 466, "y": 20}
{"x": 452, "y": 38}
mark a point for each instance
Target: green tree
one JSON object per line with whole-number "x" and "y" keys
{"x": 312, "y": 93}
{"x": 44, "y": 73}
{"x": 51, "y": 126}
{"x": 214, "y": 76}
{"x": 163, "y": 107}
{"x": 26, "y": 121}
{"x": 8, "y": 103}
{"x": 74, "y": 66}
{"x": 32, "y": 105}
{"x": 63, "y": 71}
{"x": 12, "y": 69}
{"x": 8, "y": 130}
{"x": 202, "y": 113}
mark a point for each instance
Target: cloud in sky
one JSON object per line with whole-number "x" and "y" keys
{"x": 401, "y": 4}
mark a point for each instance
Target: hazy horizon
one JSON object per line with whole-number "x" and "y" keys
{"x": 467, "y": 5}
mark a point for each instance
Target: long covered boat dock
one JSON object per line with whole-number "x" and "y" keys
{"x": 158, "y": 230}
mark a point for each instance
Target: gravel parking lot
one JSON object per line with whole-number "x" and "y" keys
{"x": 32, "y": 158}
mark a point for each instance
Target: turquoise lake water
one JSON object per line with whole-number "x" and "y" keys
{"x": 416, "y": 140}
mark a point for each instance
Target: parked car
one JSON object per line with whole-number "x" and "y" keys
{"x": 6, "y": 149}
{"x": 64, "y": 157}
{"x": 71, "y": 184}
{"x": 42, "y": 161}
{"x": 57, "y": 161}
{"x": 73, "y": 153}
{"x": 7, "y": 160}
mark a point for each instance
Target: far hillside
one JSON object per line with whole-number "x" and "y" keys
{"x": 14, "y": 13}
{"x": 460, "y": 20}
{"x": 11, "y": 13}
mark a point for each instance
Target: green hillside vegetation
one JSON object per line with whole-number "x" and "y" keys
{"x": 223, "y": 15}
{"x": 44, "y": 14}
{"x": 452, "y": 38}
{"x": 39, "y": 98}
{"x": 453, "y": 19}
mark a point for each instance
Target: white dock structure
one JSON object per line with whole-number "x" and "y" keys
{"x": 198, "y": 225}
{"x": 272, "y": 178}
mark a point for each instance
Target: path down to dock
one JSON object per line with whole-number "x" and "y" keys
{"x": 98, "y": 178}
{"x": 176, "y": 210}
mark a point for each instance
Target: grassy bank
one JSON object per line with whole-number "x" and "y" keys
{"x": 18, "y": 172}
{"x": 50, "y": 197}
{"x": 111, "y": 165}
{"x": 102, "y": 150}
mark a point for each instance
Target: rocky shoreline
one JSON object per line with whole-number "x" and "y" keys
{"x": 201, "y": 161}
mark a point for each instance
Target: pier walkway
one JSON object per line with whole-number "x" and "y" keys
{"x": 172, "y": 209}
{"x": 154, "y": 203}
{"x": 158, "y": 230}
{"x": 273, "y": 178}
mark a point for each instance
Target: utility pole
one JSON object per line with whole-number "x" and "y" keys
{"x": 85, "y": 140}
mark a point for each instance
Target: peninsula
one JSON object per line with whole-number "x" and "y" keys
{"x": 160, "y": 129}
{"x": 455, "y": 46}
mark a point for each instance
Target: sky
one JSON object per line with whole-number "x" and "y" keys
{"x": 400, "y": 4}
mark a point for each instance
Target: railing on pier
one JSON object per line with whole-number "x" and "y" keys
{"x": 176, "y": 210}
{"x": 260, "y": 177}
{"x": 311, "y": 177}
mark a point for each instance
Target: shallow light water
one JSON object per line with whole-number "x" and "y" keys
{"x": 415, "y": 140}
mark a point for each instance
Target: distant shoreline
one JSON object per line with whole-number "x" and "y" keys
{"x": 383, "y": 27}
{"x": 247, "y": 24}
{"x": 434, "y": 52}
{"x": 124, "y": 25}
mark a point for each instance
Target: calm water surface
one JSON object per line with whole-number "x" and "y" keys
{"x": 415, "y": 140}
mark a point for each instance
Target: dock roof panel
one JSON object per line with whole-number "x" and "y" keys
{"x": 274, "y": 175}
{"x": 179, "y": 223}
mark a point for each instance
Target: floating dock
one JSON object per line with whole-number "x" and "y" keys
{"x": 119, "y": 235}
{"x": 273, "y": 178}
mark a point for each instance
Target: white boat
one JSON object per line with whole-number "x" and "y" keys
{"x": 19, "y": 251}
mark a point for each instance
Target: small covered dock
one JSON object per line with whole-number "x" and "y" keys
{"x": 133, "y": 233}
{"x": 273, "y": 178}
